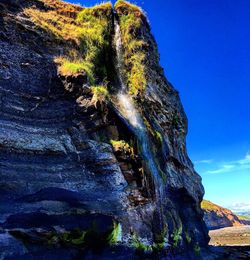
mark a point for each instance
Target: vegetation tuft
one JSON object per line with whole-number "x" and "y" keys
{"x": 90, "y": 238}
{"x": 197, "y": 249}
{"x": 122, "y": 145}
{"x": 156, "y": 135}
{"x": 138, "y": 245}
{"x": 100, "y": 94}
{"x": 126, "y": 7}
{"x": 188, "y": 238}
{"x": 67, "y": 67}
{"x": 176, "y": 236}
{"x": 115, "y": 235}
{"x": 208, "y": 205}
{"x": 160, "y": 240}
{"x": 86, "y": 30}
{"x": 131, "y": 20}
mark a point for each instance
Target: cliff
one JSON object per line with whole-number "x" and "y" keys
{"x": 92, "y": 143}
{"x": 244, "y": 220}
{"x": 218, "y": 217}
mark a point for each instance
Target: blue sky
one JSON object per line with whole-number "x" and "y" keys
{"x": 204, "y": 48}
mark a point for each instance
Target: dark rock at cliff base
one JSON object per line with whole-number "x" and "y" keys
{"x": 66, "y": 192}
{"x": 11, "y": 2}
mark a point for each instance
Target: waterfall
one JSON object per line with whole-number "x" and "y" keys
{"x": 126, "y": 106}
{"x": 128, "y": 111}
{"x": 119, "y": 55}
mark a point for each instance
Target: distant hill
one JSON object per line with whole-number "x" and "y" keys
{"x": 244, "y": 219}
{"x": 216, "y": 216}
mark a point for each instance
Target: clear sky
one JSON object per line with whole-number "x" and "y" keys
{"x": 205, "y": 51}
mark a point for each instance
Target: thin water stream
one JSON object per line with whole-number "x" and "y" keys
{"x": 129, "y": 111}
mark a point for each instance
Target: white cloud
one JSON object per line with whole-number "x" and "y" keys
{"x": 204, "y": 161}
{"x": 248, "y": 156}
{"x": 238, "y": 165}
{"x": 246, "y": 160}
{"x": 240, "y": 207}
{"x": 222, "y": 169}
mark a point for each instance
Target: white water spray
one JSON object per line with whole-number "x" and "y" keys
{"x": 125, "y": 102}
{"x": 128, "y": 111}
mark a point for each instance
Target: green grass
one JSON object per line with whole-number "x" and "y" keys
{"x": 188, "y": 238}
{"x": 95, "y": 26}
{"x": 176, "y": 236}
{"x": 127, "y": 6}
{"x": 115, "y": 235}
{"x": 160, "y": 240}
{"x": 72, "y": 67}
{"x": 138, "y": 245}
{"x": 94, "y": 35}
{"x": 208, "y": 205}
{"x": 157, "y": 246}
{"x": 247, "y": 217}
{"x": 90, "y": 33}
{"x": 91, "y": 238}
{"x": 158, "y": 136}
{"x": 122, "y": 145}
{"x": 134, "y": 52}
{"x": 100, "y": 94}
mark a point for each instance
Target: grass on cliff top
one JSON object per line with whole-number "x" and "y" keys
{"x": 131, "y": 21}
{"x": 62, "y": 8}
{"x": 208, "y": 205}
{"x": 245, "y": 217}
{"x": 125, "y": 6}
{"x": 60, "y": 26}
{"x": 95, "y": 23}
{"x": 89, "y": 29}
{"x": 99, "y": 10}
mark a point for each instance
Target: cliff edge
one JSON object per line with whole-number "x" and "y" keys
{"x": 93, "y": 158}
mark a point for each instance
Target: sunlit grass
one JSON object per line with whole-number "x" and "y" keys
{"x": 100, "y": 94}
{"x": 124, "y": 5}
{"x": 89, "y": 28}
{"x": 67, "y": 68}
{"x": 134, "y": 46}
{"x": 207, "y": 205}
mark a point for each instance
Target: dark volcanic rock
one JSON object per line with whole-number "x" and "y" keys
{"x": 60, "y": 177}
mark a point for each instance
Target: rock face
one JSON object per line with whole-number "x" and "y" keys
{"x": 217, "y": 217}
{"x": 66, "y": 189}
{"x": 244, "y": 220}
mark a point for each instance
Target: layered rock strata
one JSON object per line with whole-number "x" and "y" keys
{"x": 73, "y": 178}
